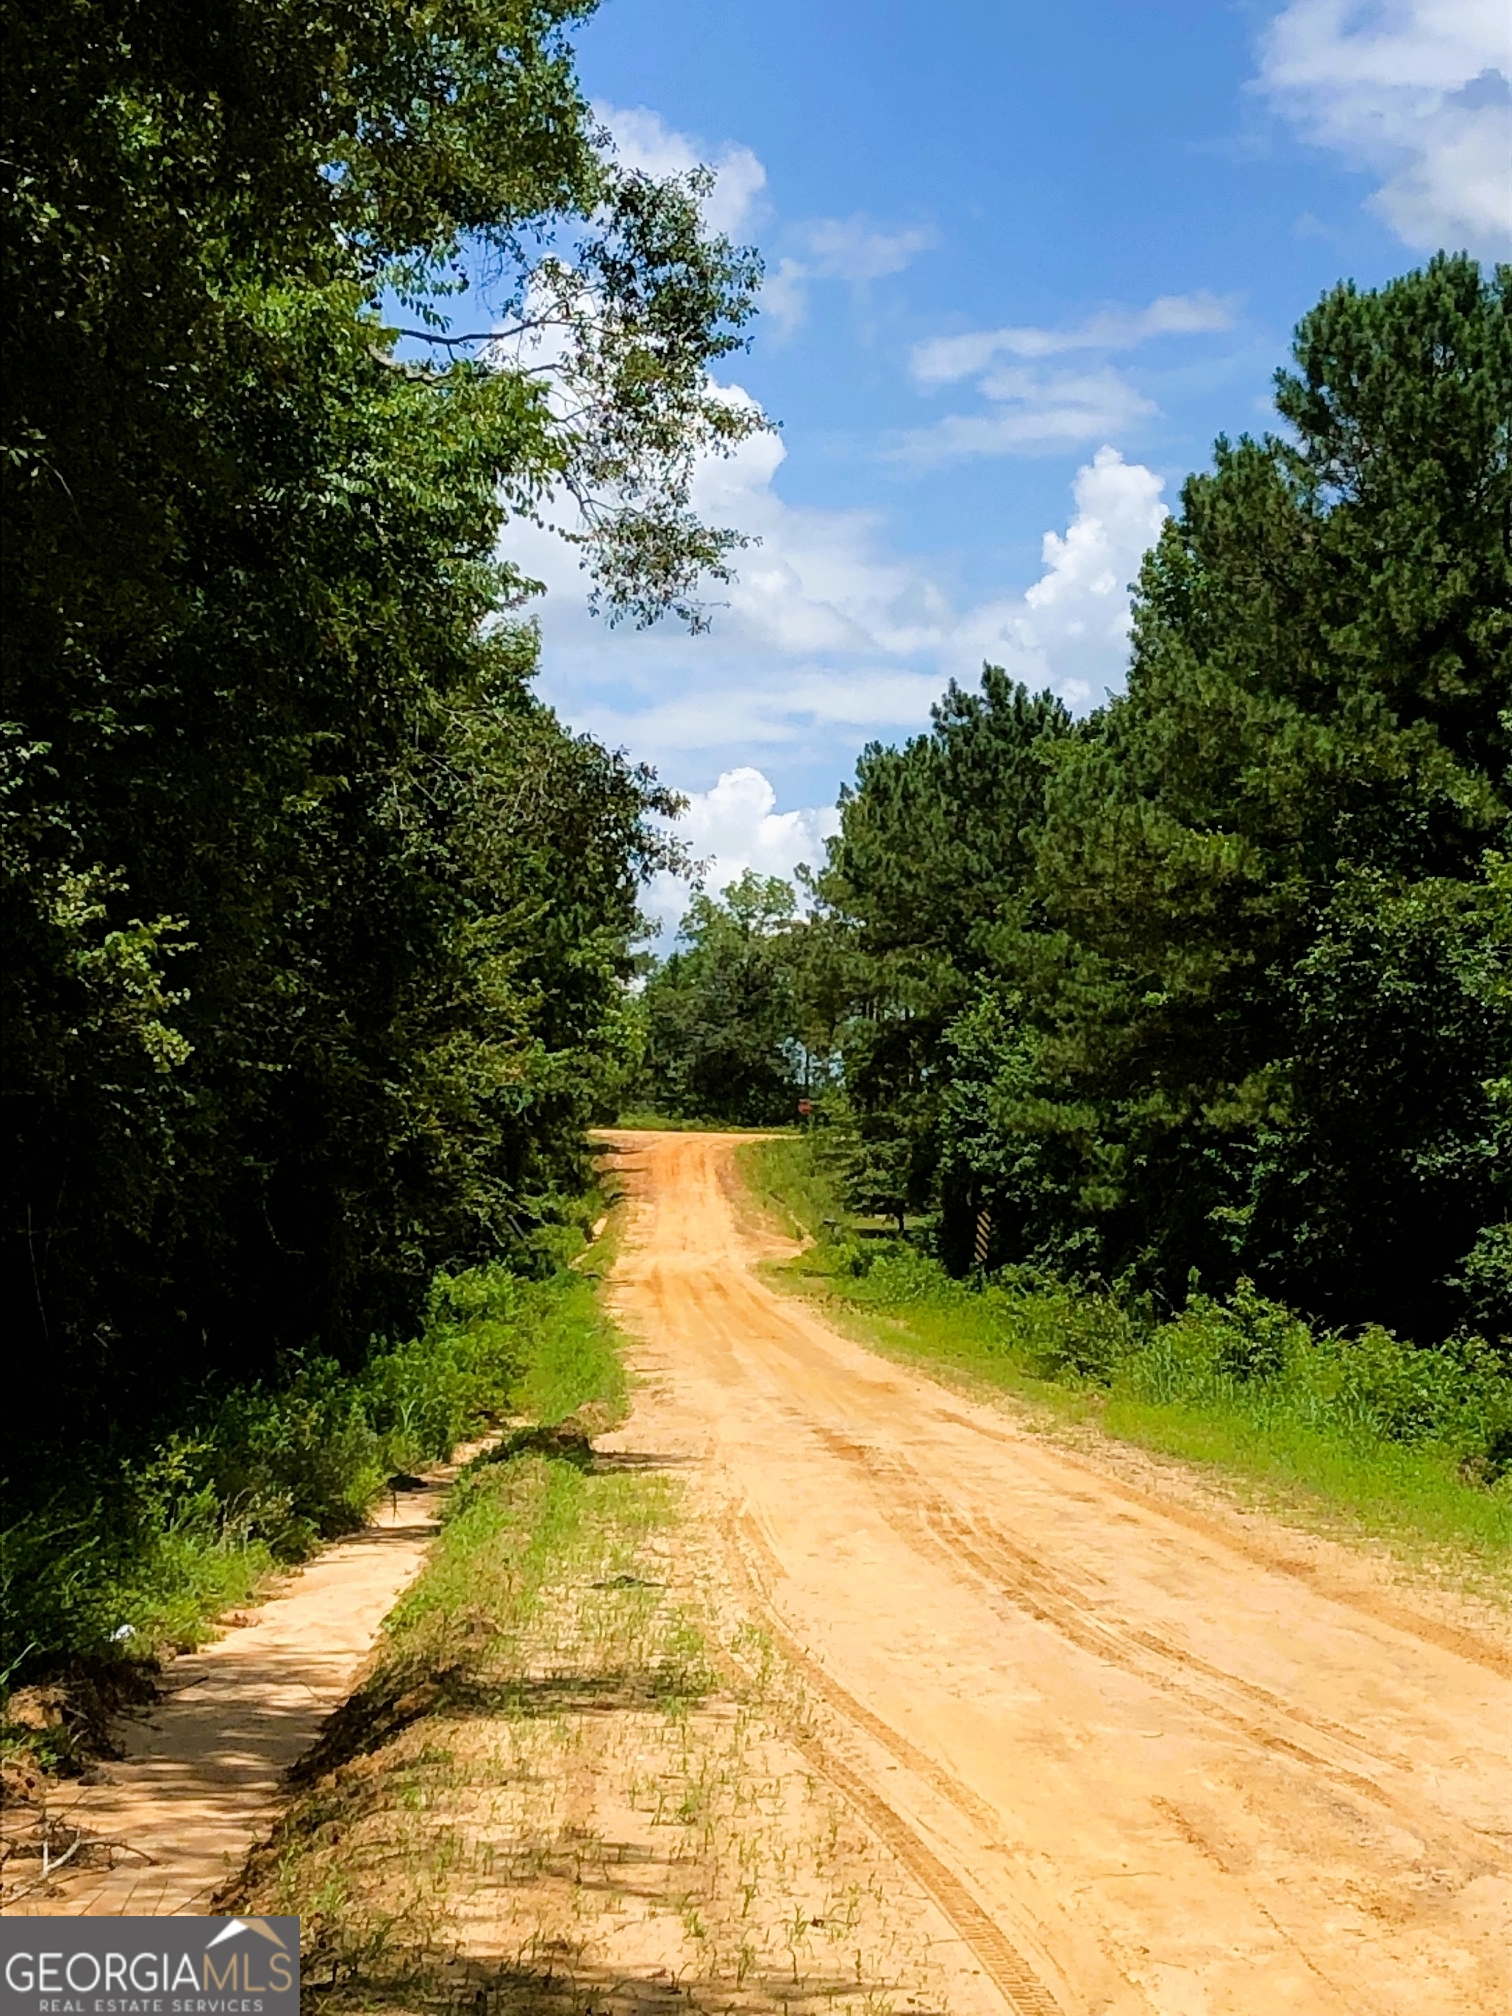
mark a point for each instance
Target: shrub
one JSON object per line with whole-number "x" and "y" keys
{"x": 131, "y": 1552}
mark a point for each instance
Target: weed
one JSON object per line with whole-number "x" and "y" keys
{"x": 1411, "y": 1445}
{"x": 148, "y": 1553}
{"x": 554, "y": 1654}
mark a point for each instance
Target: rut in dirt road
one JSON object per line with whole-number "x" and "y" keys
{"x": 1139, "y": 1765}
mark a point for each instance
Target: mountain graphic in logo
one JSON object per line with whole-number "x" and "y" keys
{"x": 238, "y": 1925}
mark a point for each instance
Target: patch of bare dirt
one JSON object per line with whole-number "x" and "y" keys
{"x": 195, "y": 1771}
{"x": 1177, "y": 1758}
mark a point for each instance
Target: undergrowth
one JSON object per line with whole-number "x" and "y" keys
{"x": 648, "y": 1122}
{"x": 130, "y": 1557}
{"x": 1412, "y": 1444}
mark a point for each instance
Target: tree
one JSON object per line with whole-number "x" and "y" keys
{"x": 317, "y": 922}
{"x": 1316, "y": 708}
{"x": 722, "y": 1022}
{"x": 1217, "y": 979}
{"x": 933, "y": 857}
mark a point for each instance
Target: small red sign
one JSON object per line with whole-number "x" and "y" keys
{"x": 805, "y": 1106}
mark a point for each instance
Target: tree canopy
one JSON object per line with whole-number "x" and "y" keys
{"x": 317, "y": 922}
{"x": 1219, "y": 981}
{"x": 720, "y": 1014}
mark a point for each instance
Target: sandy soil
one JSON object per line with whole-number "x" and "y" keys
{"x": 610, "y": 1797}
{"x": 203, "y": 1772}
{"x": 1141, "y": 1758}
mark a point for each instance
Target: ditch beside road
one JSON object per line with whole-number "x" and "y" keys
{"x": 160, "y": 1829}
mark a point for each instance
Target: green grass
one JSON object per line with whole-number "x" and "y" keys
{"x": 535, "y": 1605}
{"x": 674, "y": 1123}
{"x": 139, "y": 1558}
{"x": 1359, "y": 1435}
{"x": 573, "y": 1364}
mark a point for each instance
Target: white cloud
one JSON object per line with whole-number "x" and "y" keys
{"x": 836, "y": 248}
{"x": 852, "y": 248}
{"x": 828, "y": 248}
{"x": 1033, "y": 408}
{"x": 784, "y": 296}
{"x": 643, "y": 139}
{"x": 1416, "y": 91}
{"x": 1070, "y": 630}
{"x": 830, "y": 635}
{"x": 1032, "y": 411}
{"x": 821, "y": 579}
{"x": 943, "y": 360}
{"x": 736, "y": 826}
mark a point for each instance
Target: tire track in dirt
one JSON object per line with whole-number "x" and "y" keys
{"x": 1168, "y": 1767}
{"x": 921, "y": 1514}
{"x": 1462, "y": 1641}
{"x": 1023, "y": 1989}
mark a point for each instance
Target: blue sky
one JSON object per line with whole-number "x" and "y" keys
{"x": 1024, "y": 262}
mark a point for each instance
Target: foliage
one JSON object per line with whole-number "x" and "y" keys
{"x": 934, "y": 844}
{"x": 1272, "y": 976}
{"x": 720, "y": 1014}
{"x": 1413, "y": 1442}
{"x": 130, "y": 1555}
{"x": 1220, "y": 979}
{"x": 317, "y": 923}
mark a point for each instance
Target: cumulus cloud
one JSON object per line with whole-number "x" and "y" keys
{"x": 821, "y": 580}
{"x": 1419, "y": 92}
{"x": 865, "y": 637}
{"x": 836, "y": 248}
{"x": 643, "y": 140}
{"x": 1033, "y": 407}
{"x": 830, "y": 635}
{"x": 736, "y": 826}
{"x": 1070, "y": 630}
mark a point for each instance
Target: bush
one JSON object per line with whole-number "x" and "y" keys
{"x": 1244, "y": 1355}
{"x": 1261, "y": 1359}
{"x": 129, "y": 1554}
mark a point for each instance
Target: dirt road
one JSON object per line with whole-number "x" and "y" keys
{"x": 1139, "y": 1763}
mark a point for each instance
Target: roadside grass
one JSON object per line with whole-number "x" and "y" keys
{"x": 573, "y": 1782}
{"x": 647, "y": 1122}
{"x": 1358, "y": 1436}
{"x": 572, "y": 1362}
{"x": 139, "y": 1555}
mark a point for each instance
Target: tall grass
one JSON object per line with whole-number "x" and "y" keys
{"x": 1413, "y": 1444}
{"x": 644, "y": 1120}
{"x": 125, "y": 1558}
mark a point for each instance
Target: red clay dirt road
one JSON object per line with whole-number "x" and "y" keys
{"x": 1146, "y": 1759}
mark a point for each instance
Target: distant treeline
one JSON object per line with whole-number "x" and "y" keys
{"x": 1216, "y": 983}
{"x": 316, "y": 922}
